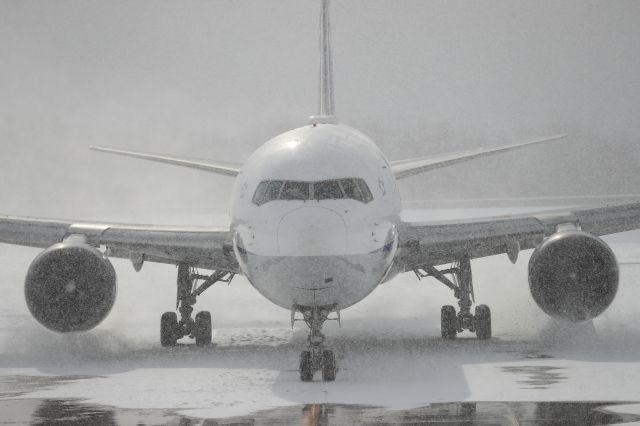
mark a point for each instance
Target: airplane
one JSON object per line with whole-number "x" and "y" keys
{"x": 315, "y": 227}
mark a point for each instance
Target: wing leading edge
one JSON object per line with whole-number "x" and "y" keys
{"x": 208, "y": 248}
{"x": 442, "y": 242}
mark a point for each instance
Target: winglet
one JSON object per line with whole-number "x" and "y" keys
{"x": 229, "y": 169}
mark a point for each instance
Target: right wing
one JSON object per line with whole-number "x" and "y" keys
{"x": 229, "y": 169}
{"x": 208, "y": 248}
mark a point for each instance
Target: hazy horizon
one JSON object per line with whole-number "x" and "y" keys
{"x": 216, "y": 79}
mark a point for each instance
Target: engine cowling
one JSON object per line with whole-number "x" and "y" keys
{"x": 70, "y": 286}
{"x": 573, "y": 275}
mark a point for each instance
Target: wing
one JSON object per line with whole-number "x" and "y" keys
{"x": 404, "y": 168}
{"x": 229, "y": 169}
{"x": 437, "y": 243}
{"x": 207, "y": 248}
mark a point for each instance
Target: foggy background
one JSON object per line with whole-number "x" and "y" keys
{"x": 216, "y": 79}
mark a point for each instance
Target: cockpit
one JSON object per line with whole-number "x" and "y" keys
{"x": 333, "y": 189}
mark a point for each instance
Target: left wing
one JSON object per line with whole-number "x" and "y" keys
{"x": 209, "y": 248}
{"x": 437, "y": 243}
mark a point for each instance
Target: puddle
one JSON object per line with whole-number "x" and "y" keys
{"x": 532, "y": 354}
{"x": 13, "y": 386}
{"x": 537, "y": 376}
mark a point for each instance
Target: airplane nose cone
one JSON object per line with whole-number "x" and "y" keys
{"x": 312, "y": 231}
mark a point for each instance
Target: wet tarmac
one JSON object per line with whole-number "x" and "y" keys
{"x": 73, "y": 412}
{"x": 113, "y": 375}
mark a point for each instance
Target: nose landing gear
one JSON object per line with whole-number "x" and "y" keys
{"x": 452, "y": 324}
{"x": 317, "y": 357}
{"x": 462, "y": 285}
{"x": 199, "y": 328}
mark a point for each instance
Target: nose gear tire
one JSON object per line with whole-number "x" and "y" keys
{"x": 306, "y": 366}
{"x": 328, "y": 366}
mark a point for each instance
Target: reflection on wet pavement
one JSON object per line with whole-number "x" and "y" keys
{"x": 537, "y": 376}
{"x": 12, "y": 386}
{"x": 69, "y": 412}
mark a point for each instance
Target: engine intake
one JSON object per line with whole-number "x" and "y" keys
{"x": 573, "y": 275}
{"x": 70, "y": 286}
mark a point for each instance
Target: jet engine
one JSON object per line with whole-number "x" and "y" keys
{"x": 70, "y": 286}
{"x": 573, "y": 275}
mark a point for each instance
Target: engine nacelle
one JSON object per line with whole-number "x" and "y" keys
{"x": 573, "y": 275}
{"x": 70, "y": 286}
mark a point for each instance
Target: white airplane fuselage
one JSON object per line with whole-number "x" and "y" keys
{"x": 314, "y": 249}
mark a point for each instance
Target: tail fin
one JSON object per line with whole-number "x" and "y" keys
{"x": 326, "y": 106}
{"x": 326, "y": 109}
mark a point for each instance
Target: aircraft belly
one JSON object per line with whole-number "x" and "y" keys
{"x": 315, "y": 280}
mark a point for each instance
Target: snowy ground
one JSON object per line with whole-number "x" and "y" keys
{"x": 388, "y": 348}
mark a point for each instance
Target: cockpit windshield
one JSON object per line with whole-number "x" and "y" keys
{"x": 327, "y": 190}
{"x": 333, "y": 189}
{"x": 295, "y": 191}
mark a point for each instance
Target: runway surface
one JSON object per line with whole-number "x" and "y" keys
{"x": 394, "y": 368}
{"x": 54, "y": 411}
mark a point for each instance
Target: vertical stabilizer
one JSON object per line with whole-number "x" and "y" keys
{"x": 325, "y": 102}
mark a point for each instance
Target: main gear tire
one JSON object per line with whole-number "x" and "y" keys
{"x": 168, "y": 329}
{"x": 202, "y": 328}
{"x": 483, "y": 322}
{"x": 448, "y": 322}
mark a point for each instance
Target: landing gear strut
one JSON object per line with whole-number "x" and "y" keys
{"x": 188, "y": 290}
{"x": 462, "y": 286}
{"x": 316, "y": 357}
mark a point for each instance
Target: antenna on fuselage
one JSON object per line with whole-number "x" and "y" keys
{"x": 325, "y": 102}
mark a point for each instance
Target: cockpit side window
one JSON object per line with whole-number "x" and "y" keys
{"x": 258, "y": 196}
{"x": 267, "y": 190}
{"x": 349, "y": 188}
{"x": 364, "y": 189}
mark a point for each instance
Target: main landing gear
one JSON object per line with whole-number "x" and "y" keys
{"x": 172, "y": 329}
{"x": 452, "y": 323}
{"x": 316, "y": 357}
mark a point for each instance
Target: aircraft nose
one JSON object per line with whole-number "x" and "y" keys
{"x": 312, "y": 231}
